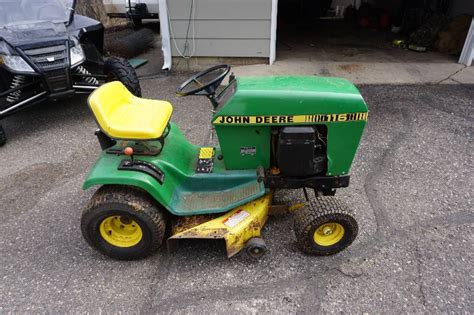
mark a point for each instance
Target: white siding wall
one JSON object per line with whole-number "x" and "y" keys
{"x": 223, "y": 28}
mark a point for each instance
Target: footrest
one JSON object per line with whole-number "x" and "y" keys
{"x": 218, "y": 201}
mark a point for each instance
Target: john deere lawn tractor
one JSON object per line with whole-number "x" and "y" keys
{"x": 274, "y": 133}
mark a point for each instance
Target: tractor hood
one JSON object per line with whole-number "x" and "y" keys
{"x": 31, "y": 33}
{"x": 289, "y": 96}
{"x": 251, "y": 107}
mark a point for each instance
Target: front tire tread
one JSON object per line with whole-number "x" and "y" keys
{"x": 325, "y": 209}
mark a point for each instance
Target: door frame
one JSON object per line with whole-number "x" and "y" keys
{"x": 467, "y": 54}
{"x": 273, "y": 31}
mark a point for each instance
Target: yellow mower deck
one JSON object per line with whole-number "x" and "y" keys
{"x": 236, "y": 227}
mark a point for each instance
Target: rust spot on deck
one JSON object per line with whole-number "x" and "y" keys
{"x": 181, "y": 224}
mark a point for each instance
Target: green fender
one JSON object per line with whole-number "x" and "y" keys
{"x": 126, "y": 178}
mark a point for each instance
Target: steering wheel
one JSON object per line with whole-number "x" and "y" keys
{"x": 205, "y": 82}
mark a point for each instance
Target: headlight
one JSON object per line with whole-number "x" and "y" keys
{"x": 4, "y": 48}
{"x": 16, "y": 63}
{"x": 77, "y": 55}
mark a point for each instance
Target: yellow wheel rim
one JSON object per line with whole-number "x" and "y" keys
{"x": 120, "y": 231}
{"x": 328, "y": 234}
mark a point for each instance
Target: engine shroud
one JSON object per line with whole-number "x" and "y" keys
{"x": 250, "y": 108}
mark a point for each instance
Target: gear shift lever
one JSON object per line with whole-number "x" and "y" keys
{"x": 128, "y": 151}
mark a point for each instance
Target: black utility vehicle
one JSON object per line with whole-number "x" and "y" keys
{"x": 47, "y": 52}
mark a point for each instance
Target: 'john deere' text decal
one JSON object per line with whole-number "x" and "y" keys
{"x": 288, "y": 120}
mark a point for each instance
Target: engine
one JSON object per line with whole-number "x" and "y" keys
{"x": 301, "y": 151}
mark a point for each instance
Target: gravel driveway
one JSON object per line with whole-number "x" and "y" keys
{"x": 411, "y": 187}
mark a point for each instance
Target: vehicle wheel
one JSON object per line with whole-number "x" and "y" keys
{"x": 123, "y": 222}
{"x": 3, "y": 137}
{"x": 256, "y": 247}
{"x": 121, "y": 70}
{"x": 326, "y": 228}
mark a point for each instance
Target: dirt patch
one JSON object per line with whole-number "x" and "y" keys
{"x": 351, "y": 68}
{"x": 181, "y": 224}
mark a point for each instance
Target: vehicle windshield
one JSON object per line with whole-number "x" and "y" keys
{"x": 14, "y": 12}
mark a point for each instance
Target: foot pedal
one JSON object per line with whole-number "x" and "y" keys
{"x": 205, "y": 162}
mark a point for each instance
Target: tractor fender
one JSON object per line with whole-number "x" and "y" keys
{"x": 107, "y": 174}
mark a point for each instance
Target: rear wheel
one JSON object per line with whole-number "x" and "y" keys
{"x": 326, "y": 228}
{"x": 123, "y": 223}
{"x": 119, "y": 69}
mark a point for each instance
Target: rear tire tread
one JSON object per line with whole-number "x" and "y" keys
{"x": 141, "y": 203}
{"x": 123, "y": 71}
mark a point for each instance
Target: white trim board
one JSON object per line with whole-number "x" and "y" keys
{"x": 165, "y": 34}
{"x": 273, "y": 31}
{"x": 467, "y": 55}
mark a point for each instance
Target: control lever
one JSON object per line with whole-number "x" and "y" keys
{"x": 128, "y": 151}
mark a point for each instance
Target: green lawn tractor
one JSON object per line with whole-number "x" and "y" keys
{"x": 274, "y": 133}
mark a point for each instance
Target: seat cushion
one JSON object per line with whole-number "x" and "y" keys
{"x": 121, "y": 115}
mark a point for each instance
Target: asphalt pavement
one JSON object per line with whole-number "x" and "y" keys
{"x": 411, "y": 188}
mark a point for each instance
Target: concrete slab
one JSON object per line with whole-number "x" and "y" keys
{"x": 362, "y": 72}
{"x": 363, "y": 56}
{"x": 466, "y": 76}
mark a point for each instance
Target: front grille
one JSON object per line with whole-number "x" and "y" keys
{"x": 49, "y": 58}
{"x": 58, "y": 80}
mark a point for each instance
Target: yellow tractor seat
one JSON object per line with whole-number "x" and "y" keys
{"x": 121, "y": 115}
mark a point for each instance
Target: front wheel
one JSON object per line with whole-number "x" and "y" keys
{"x": 325, "y": 228}
{"x": 119, "y": 69}
{"x": 123, "y": 223}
